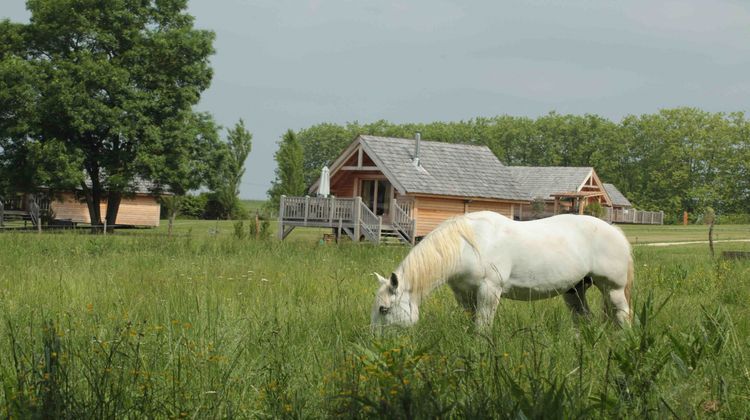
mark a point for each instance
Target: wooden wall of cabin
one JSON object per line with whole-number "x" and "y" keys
{"x": 429, "y": 212}
{"x": 344, "y": 183}
{"x": 141, "y": 210}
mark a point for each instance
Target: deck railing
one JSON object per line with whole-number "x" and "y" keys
{"x": 347, "y": 215}
{"x": 317, "y": 209}
{"x": 402, "y": 220}
{"x": 633, "y": 216}
{"x": 370, "y": 224}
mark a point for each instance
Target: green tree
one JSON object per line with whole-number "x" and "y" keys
{"x": 103, "y": 79}
{"x": 290, "y": 179}
{"x": 674, "y": 160}
{"x": 224, "y": 202}
{"x": 189, "y": 155}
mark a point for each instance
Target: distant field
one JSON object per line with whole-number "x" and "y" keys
{"x": 637, "y": 234}
{"x": 672, "y": 233}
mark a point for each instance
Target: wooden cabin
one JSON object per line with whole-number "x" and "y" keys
{"x": 403, "y": 188}
{"x": 141, "y": 208}
{"x": 561, "y": 189}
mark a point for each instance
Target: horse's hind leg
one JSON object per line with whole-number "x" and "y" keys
{"x": 575, "y": 298}
{"x": 616, "y": 305}
{"x": 619, "y": 301}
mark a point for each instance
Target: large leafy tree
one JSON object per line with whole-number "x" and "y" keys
{"x": 188, "y": 155}
{"x": 96, "y": 85}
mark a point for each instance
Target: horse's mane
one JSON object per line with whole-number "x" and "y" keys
{"x": 437, "y": 256}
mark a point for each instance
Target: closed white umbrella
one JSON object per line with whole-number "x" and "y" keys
{"x": 324, "y": 189}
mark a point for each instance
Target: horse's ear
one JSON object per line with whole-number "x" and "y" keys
{"x": 380, "y": 278}
{"x": 394, "y": 281}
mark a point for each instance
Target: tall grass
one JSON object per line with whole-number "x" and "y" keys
{"x": 147, "y": 326}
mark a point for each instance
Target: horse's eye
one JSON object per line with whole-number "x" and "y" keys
{"x": 384, "y": 310}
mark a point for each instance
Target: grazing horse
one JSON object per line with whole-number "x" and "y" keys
{"x": 484, "y": 255}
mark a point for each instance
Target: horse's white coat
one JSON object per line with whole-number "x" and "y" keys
{"x": 484, "y": 256}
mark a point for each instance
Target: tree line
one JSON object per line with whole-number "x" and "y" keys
{"x": 95, "y": 96}
{"x": 675, "y": 160}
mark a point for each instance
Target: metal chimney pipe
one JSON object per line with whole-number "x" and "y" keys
{"x": 418, "y": 138}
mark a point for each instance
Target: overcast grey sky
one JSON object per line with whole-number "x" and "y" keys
{"x": 283, "y": 64}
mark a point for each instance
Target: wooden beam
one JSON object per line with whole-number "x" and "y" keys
{"x": 360, "y": 168}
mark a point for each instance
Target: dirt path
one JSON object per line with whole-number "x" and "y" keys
{"x": 693, "y": 242}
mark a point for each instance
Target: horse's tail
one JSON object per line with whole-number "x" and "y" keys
{"x": 629, "y": 284}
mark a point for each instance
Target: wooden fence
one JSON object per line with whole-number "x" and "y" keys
{"x": 634, "y": 216}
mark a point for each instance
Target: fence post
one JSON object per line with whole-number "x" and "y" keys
{"x": 105, "y": 226}
{"x": 661, "y": 217}
{"x": 2, "y": 213}
{"x": 357, "y": 216}
{"x": 307, "y": 208}
{"x": 282, "y": 204}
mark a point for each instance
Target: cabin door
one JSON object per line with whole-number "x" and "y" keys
{"x": 376, "y": 194}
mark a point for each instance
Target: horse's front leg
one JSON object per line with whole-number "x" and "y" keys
{"x": 488, "y": 297}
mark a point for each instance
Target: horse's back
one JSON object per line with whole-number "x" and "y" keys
{"x": 550, "y": 254}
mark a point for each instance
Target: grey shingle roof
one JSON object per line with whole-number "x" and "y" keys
{"x": 138, "y": 185}
{"x": 618, "y": 199}
{"x": 542, "y": 181}
{"x": 445, "y": 169}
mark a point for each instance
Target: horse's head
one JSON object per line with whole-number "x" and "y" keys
{"x": 393, "y": 304}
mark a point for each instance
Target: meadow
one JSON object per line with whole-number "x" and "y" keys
{"x": 204, "y": 324}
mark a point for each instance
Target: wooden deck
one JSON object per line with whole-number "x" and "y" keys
{"x": 348, "y": 216}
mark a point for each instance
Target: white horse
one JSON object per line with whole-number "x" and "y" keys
{"x": 483, "y": 256}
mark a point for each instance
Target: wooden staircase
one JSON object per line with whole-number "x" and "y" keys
{"x": 392, "y": 236}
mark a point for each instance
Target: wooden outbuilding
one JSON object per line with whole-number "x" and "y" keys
{"x": 140, "y": 208}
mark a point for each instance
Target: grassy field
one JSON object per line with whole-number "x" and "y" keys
{"x": 207, "y": 325}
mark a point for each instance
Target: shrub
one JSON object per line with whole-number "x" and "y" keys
{"x": 594, "y": 209}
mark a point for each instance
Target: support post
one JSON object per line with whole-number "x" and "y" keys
{"x": 331, "y": 207}
{"x": 105, "y": 226}
{"x": 357, "y": 217}
{"x": 2, "y": 213}
{"x": 380, "y": 229}
{"x": 281, "y": 217}
{"x": 557, "y": 204}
